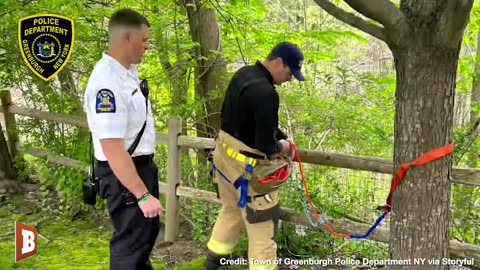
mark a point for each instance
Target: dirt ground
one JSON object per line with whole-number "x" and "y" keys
{"x": 178, "y": 252}
{"x": 173, "y": 253}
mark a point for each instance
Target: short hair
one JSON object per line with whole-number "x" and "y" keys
{"x": 127, "y": 18}
{"x": 272, "y": 56}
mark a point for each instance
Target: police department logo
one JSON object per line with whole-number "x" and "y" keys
{"x": 105, "y": 101}
{"x": 46, "y": 43}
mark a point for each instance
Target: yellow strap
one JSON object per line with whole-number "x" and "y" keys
{"x": 237, "y": 156}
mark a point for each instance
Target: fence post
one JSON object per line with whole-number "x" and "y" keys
{"x": 5, "y": 160}
{"x": 173, "y": 179}
{"x": 10, "y": 123}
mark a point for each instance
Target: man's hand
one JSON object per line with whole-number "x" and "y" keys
{"x": 287, "y": 149}
{"x": 151, "y": 207}
{"x": 291, "y": 151}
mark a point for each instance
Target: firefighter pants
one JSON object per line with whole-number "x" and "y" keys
{"x": 259, "y": 218}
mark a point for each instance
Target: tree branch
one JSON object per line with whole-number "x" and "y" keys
{"x": 382, "y": 11}
{"x": 454, "y": 21}
{"x": 461, "y": 15}
{"x": 351, "y": 19}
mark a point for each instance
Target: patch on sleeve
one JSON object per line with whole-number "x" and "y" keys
{"x": 105, "y": 101}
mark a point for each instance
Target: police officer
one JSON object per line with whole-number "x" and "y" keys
{"x": 118, "y": 112}
{"x": 249, "y": 134}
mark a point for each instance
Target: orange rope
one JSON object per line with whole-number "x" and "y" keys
{"x": 315, "y": 212}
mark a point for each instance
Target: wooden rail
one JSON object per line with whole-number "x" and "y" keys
{"x": 371, "y": 164}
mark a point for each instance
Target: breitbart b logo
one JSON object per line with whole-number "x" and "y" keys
{"x": 25, "y": 241}
{"x": 46, "y": 43}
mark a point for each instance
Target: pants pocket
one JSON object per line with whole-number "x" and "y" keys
{"x": 103, "y": 186}
{"x": 149, "y": 175}
{"x": 257, "y": 216}
{"x": 104, "y": 179}
{"x": 263, "y": 208}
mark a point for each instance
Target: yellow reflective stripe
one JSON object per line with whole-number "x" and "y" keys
{"x": 219, "y": 248}
{"x": 237, "y": 156}
{"x": 241, "y": 158}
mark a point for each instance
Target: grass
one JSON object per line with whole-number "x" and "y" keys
{"x": 63, "y": 243}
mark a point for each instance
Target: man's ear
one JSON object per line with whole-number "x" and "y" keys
{"x": 281, "y": 63}
{"x": 127, "y": 36}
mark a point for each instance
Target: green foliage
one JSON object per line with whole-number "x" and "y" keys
{"x": 467, "y": 147}
{"x": 66, "y": 182}
{"x": 369, "y": 250}
{"x": 361, "y": 123}
{"x": 467, "y": 60}
{"x": 465, "y": 199}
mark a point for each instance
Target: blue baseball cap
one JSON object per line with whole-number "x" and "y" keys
{"x": 292, "y": 56}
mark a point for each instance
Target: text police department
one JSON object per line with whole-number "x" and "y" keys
{"x": 50, "y": 28}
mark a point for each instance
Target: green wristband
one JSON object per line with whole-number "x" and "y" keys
{"x": 145, "y": 197}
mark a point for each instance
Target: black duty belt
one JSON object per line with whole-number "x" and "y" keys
{"x": 138, "y": 161}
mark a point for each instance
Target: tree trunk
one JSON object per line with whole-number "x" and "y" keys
{"x": 6, "y": 164}
{"x": 473, "y": 157}
{"x": 461, "y": 114}
{"x": 210, "y": 72}
{"x": 475, "y": 98}
{"x": 177, "y": 77}
{"x": 69, "y": 93}
{"x": 423, "y": 121}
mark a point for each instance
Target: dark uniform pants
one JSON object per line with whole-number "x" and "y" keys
{"x": 134, "y": 235}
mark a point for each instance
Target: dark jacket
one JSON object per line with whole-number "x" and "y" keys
{"x": 250, "y": 109}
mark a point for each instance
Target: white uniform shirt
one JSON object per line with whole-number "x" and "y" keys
{"x": 115, "y": 107}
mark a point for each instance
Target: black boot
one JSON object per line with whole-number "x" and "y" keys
{"x": 211, "y": 262}
{"x": 214, "y": 261}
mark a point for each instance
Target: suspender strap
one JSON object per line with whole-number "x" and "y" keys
{"x": 145, "y": 92}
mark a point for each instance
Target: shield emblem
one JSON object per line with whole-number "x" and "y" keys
{"x": 46, "y": 43}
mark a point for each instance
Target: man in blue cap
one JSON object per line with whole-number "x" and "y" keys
{"x": 248, "y": 134}
{"x": 291, "y": 57}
